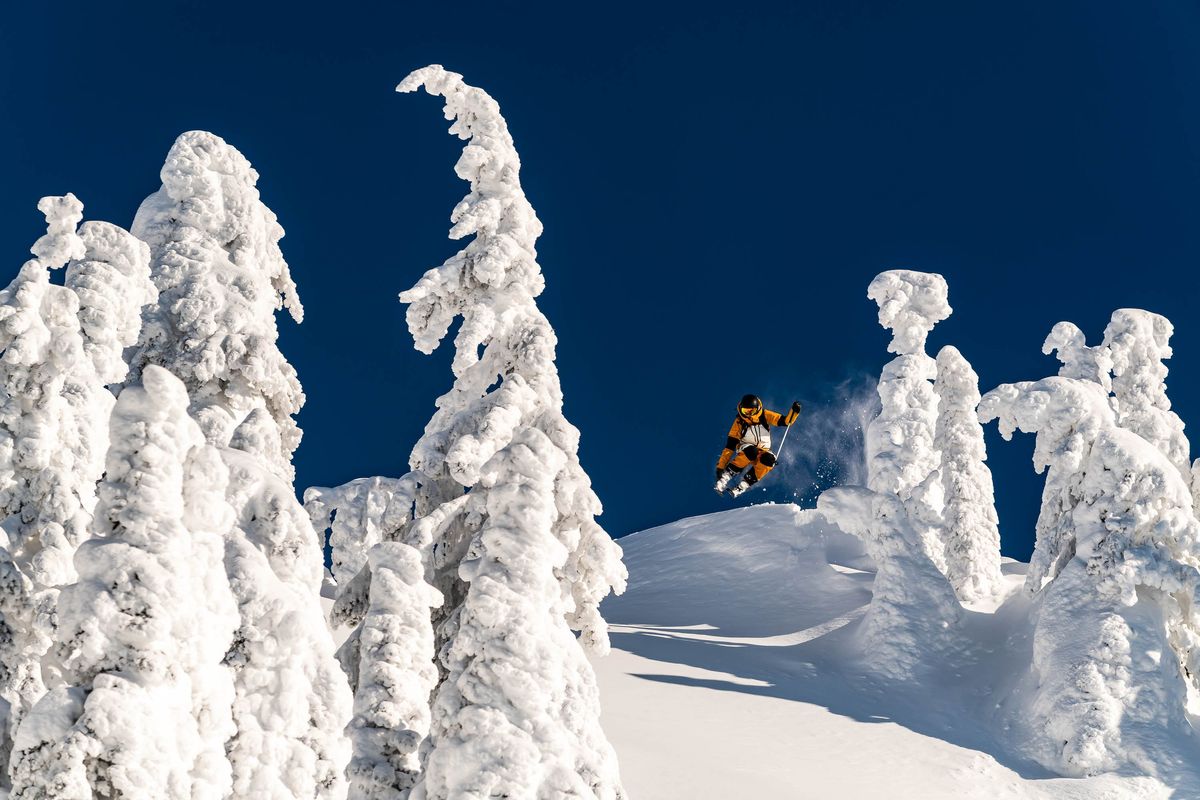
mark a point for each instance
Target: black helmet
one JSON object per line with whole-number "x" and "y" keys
{"x": 750, "y": 406}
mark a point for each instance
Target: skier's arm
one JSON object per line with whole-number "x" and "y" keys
{"x": 731, "y": 443}
{"x": 783, "y": 420}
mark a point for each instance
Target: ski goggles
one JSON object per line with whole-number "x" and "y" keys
{"x": 748, "y": 412}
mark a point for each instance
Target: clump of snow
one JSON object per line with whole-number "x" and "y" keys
{"x": 1079, "y": 360}
{"x": 221, "y": 277}
{"x": 910, "y": 304}
{"x": 971, "y": 526}
{"x": 515, "y": 710}
{"x": 61, "y": 243}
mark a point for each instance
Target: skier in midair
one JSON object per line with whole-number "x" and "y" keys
{"x": 749, "y": 443}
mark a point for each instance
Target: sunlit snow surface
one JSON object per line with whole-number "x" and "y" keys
{"x": 734, "y": 674}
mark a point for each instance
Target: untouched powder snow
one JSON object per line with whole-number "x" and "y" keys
{"x": 736, "y": 673}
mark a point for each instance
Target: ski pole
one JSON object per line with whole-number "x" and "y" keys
{"x": 783, "y": 441}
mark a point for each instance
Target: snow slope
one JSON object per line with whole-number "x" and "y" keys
{"x": 734, "y": 674}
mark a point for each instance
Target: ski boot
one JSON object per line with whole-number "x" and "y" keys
{"x": 742, "y": 487}
{"x": 724, "y": 476}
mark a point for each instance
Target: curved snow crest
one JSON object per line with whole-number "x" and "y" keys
{"x": 502, "y": 257}
{"x": 221, "y": 277}
{"x": 910, "y": 304}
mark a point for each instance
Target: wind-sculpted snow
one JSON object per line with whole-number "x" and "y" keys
{"x": 1119, "y": 545}
{"x": 913, "y": 615}
{"x": 1079, "y": 360}
{"x": 221, "y": 276}
{"x": 143, "y": 632}
{"x": 61, "y": 346}
{"x": 910, "y": 304}
{"x": 969, "y": 516}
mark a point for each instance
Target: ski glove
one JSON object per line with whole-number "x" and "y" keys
{"x": 796, "y": 408}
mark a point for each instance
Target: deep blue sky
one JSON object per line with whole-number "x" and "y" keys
{"x": 718, "y": 186}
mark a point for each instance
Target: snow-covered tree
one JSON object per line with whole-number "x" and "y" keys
{"x": 502, "y": 511}
{"x": 1115, "y": 569}
{"x": 912, "y": 618}
{"x": 1078, "y": 359}
{"x": 901, "y": 455}
{"x": 221, "y": 277}
{"x": 1138, "y": 342}
{"x": 971, "y": 526}
{"x": 144, "y": 631}
{"x": 61, "y": 346}
{"x": 396, "y": 676}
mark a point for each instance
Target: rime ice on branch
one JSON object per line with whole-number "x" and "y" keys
{"x": 901, "y": 455}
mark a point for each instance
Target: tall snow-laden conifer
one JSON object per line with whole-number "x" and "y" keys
{"x": 504, "y": 511}
{"x": 1115, "y": 575}
{"x": 972, "y": 529}
{"x": 61, "y": 346}
{"x": 221, "y": 277}
{"x": 902, "y": 458}
{"x": 144, "y": 631}
{"x": 1138, "y": 342}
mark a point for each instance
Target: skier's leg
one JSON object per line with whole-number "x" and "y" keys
{"x": 753, "y": 455}
{"x": 762, "y": 465}
{"x": 736, "y": 464}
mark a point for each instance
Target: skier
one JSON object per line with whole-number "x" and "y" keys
{"x": 749, "y": 443}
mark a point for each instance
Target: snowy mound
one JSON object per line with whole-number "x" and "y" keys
{"x": 737, "y": 671}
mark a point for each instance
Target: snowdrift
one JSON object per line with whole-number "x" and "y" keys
{"x": 738, "y": 671}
